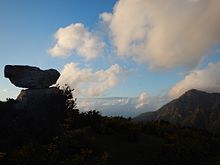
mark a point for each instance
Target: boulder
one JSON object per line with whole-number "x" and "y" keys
{"x": 31, "y": 77}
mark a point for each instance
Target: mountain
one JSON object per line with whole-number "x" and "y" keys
{"x": 194, "y": 108}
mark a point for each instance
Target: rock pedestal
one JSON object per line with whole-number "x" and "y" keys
{"x": 30, "y": 96}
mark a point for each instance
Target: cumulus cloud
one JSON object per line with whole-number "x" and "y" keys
{"x": 142, "y": 100}
{"x": 90, "y": 83}
{"x": 75, "y": 38}
{"x": 106, "y": 17}
{"x": 165, "y": 34}
{"x": 207, "y": 79}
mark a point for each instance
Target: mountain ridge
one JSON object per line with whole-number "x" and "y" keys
{"x": 194, "y": 108}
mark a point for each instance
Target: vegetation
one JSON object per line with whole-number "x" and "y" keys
{"x": 55, "y": 132}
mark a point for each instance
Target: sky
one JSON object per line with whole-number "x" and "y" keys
{"x": 122, "y": 57}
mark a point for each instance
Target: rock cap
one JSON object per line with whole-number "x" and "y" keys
{"x": 31, "y": 77}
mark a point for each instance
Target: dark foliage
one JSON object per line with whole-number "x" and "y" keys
{"x": 55, "y": 132}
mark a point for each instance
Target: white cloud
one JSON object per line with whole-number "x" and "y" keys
{"x": 165, "y": 34}
{"x": 142, "y": 100}
{"x": 75, "y": 38}
{"x": 121, "y": 106}
{"x": 90, "y": 83}
{"x": 207, "y": 79}
{"x": 106, "y": 17}
{"x": 4, "y": 90}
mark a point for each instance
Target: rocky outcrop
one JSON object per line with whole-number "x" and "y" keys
{"x": 31, "y": 77}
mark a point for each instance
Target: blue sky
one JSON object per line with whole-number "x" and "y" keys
{"x": 27, "y": 29}
{"x": 145, "y": 49}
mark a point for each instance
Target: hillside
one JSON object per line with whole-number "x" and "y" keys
{"x": 52, "y": 131}
{"x": 194, "y": 108}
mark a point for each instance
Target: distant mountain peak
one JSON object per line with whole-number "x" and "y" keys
{"x": 193, "y": 92}
{"x": 196, "y": 97}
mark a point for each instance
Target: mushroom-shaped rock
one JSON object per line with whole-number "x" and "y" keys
{"x": 31, "y": 77}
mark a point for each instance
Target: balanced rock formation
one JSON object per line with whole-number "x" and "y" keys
{"x": 38, "y": 110}
{"x": 31, "y": 77}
